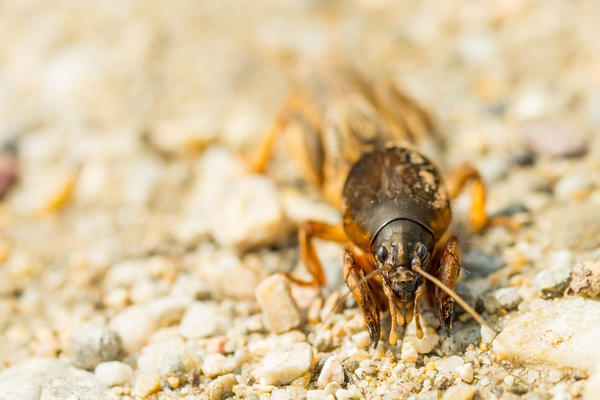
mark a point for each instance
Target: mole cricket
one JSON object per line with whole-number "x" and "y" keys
{"x": 360, "y": 148}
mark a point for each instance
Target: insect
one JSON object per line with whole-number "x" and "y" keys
{"x": 360, "y": 148}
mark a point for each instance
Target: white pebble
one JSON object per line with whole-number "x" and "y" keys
{"x": 409, "y": 353}
{"x": 113, "y": 373}
{"x": 200, "y": 320}
{"x": 134, "y": 325}
{"x": 283, "y": 364}
{"x": 248, "y": 212}
{"x": 466, "y": 373}
{"x": 332, "y": 372}
{"x": 279, "y": 310}
{"x": 216, "y": 365}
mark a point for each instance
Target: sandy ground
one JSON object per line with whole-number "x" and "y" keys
{"x": 135, "y": 241}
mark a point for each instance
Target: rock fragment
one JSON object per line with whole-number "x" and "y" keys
{"x": 555, "y": 138}
{"x": 562, "y": 333}
{"x": 113, "y": 373}
{"x": 586, "y": 279}
{"x": 146, "y": 384}
{"x": 459, "y": 392}
{"x": 283, "y": 364}
{"x": 50, "y": 379}
{"x": 249, "y": 213}
{"x": 552, "y": 282}
{"x": 332, "y": 371}
{"x": 221, "y": 387}
{"x": 216, "y": 365}
{"x": 92, "y": 344}
{"x": 8, "y": 172}
{"x": 134, "y": 325}
{"x": 200, "y": 320}
{"x": 504, "y": 298}
{"x": 279, "y": 310}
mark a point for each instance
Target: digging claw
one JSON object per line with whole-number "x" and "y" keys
{"x": 445, "y": 312}
{"x": 373, "y": 333}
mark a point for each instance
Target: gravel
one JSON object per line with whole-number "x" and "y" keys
{"x": 113, "y": 373}
{"x": 283, "y": 364}
{"x": 586, "y": 279}
{"x": 128, "y": 200}
{"x": 43, "y": 378}
{"x": 279, "y": 310}
{"x": 562, "y": 334}
{"x": 92, "y": 344}
{"x": 133, "y": 325}
{"x": 332, "y": 371}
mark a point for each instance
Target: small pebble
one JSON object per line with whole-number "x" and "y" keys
{"x": 283, "y": 364}
{"x": 348, "y": 394}
{"x": 323, "y": 341}
{"x": 409, "y": 352}
{"x": 216, "y": 365}
{"x": 504, "y": 298}
{"x": 279, "y": 310}
{"x": 318, "y": 395}
{"x": 134, "y": 325}
{"x": 92, "y": 344}
{"x": 177, "y": 361}
{"x": 221, "y": 387}
{"x": 113, "y": 373}
{"x": 487, "y": 335}
{"x": 555, "y": 139}
{"x": 249, "y": 212}
{"x": 466, "y": 373}
{"x": 449, "y": 365}
{"x": 459, "y": 392}
{"x": 592, "y": 387}
{"x": 199, "y": 320}
{"x": 552, "y": 282}
{"x": 332, "y": 372}
{"x": 9, "y": 172}
{"x": 586, "y": 279}
{"x": 441, "y": 382}
{"x": 362, "y": 339}
{"x": 146, "y": 384}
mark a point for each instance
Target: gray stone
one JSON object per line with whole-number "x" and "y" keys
{"x": 506, "y": 298}
{"x": 285, "y": 363}
{"x": 92, "y": 344}
{"x": 552, "y": 282}
{"x": 561, "y": 333}
{"x": 50, "y": 379}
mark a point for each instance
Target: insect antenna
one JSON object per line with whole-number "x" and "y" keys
{"x": 454, "y": 295}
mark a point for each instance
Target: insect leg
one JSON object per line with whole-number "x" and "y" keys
{"x": 308, "y": 231}
{"x": 353, "y": 274}
{"x": 478, "y": 218}
{"x": 417, "y": 310}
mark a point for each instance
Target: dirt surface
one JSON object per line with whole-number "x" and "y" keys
{"x": 138, "y": 253}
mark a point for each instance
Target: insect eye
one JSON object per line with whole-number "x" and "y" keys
{"x": 421, "y": 251}
{"x": 382, "y": 253}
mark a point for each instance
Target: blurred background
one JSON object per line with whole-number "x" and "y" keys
{"x": 120, "y": 121}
